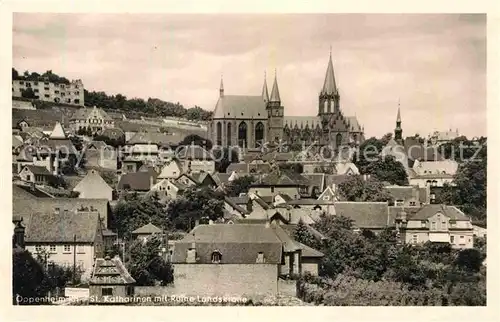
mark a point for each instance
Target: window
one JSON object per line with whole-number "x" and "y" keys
{"x": 38, "y": 248}
{"x": 412, "y": 203}
{"x": 452, "y": 223}
{"x": 28, "y": 177}
{"x": 414, "y": 239}
{"x": 443, "y": 225}
{"x": 216, "y": 257}
{"x": 433, "y": 225}
{"x": 46, "y": 83}
{"x": 272, "y": 189}
{"x": 57, "y": 92}
{"x": 260, "y": 257}
{"x": 107, "y": 291}
{"x": 21, "y": 83}
{"x": 36, "y": 90}
{"x": 77, "y": 93}
{"x": 326, "y": 198}
{"x": 423, "y": 224}
{"x": 52, "y": 248}
{"x": 399, "y": 202}
{"x": 77, "y": 101}
{"x": 130, "y": 167}
{"x": 47, "y": 95}
{"x": 46, "y": 88}
{"x": 67, "y": 248}
{"x": 35, "y": 83}
{"x": 452, "y": 239}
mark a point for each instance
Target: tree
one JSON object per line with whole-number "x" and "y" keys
{"x": 291, "y": 167}
{"x": 386, "y": 138}
{"x": 304, "y": 236}
{"x": 355, "y": 188}
{"x": 239, "y": 185}
{"x": 28, "y": 93}
{"x": 27, "y": 277}
{"x": 194, "y": 205}
{"x": 388, "y": 169}
{"x": 195, "y": 139}
{"x": 470, "y": 260}
{"x": 367, "y": 152}
{"x": 15, "y": 74}
{"x": 146, "y": 265}
{"x": 224, "y": 157}
{"x": 109, "y": 177}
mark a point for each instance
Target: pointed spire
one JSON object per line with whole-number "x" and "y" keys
{"x": 275, "y": 93}
{"x": 399, "y": 113}
{"x": 329, "y": 87}
{"x": 265, "y": 95}
{"x": 221, "y": 89}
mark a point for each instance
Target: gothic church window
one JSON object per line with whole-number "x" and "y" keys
{"x": 338, "y": 139}
{"x": 219, "y": 133}
{"x": 242, "y": 135}
{"x": 259, "y": 134}
{"x": 228, "y": 134}
{"x": 216, "y": 257}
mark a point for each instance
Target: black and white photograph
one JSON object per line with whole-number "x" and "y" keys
{"x": 249, "y": 159}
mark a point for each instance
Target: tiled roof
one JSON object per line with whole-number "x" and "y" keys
{"x": 147, "y": 229}
{"x": 230, "y": 201}
{"x": 37, "y": 118}
{"x": 331, "y": 179}
{"x": 427, "y": 211}
{"x": 364, "y": 214}
{"x": 238, "y": 244}
{"x": 114, "y": 133}
{"x": 435, "y": 167}
{"x": 84, "y": 113}
{"x": 394, "y": 212}
{"x": 160, "y": 139}
{"x": 110, "y": 271}
{"x": 289, "y": 245}
{"x": 282, "y": 178}
{"x": 316, "y": 180}
{"x": 193, "y": 152}
{"x": 92, "y": 180}
{"x": 16, "y": 141}
{"x": 38, "y": 170}
{"x": 403, "y": 192}
{"x": 307, "y": 201}
{"x": 240, "y": 107}
{"x": 25, "y": 204}
{"x": 62, "y": 227}
{"x": 137, "y": 181}
{"x": 309, "y": 252}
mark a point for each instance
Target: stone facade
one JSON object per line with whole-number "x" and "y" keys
{"x": 246, "y": 121}
{"x": 226, "y": 280}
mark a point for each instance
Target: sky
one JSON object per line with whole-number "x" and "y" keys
{"x": 433, "y": 65}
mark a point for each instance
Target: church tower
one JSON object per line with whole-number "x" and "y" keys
{"x": 398, "y": 131}
{"x": 274, "y": 112}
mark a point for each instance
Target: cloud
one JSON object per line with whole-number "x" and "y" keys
{"x": 434, "y": 64}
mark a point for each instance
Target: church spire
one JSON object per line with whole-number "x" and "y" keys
{"x": 265, "y": 95}
{"x": 329, "y": 87}
{"x": 221, "y": 89}
{"x": 275, "y": 93}
{"x": 398, "y": 131}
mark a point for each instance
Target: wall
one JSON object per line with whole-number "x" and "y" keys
{"x": 95, "y": 191}
{"x": 101, "y": 159}
{"x": 293, "y": 192}
{"x": 226, "y": 279}
{"x": 95, "y": 292}
{"x": 310, "y": 265}
{"x": 84, "y": 255}
{"x": 49, "y": 92}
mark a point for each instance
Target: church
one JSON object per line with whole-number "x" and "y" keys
{"x": 251, "y": 121}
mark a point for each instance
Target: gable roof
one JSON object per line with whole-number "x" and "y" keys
{"x": 282, "y": 178}
{"x": 403, "y": 192}
{"x": 147, "y": 229}
{"x": 240, "y": 107}
{"x": 84, "y": 113}
{"x": 394, "y": 212}
{"x": 110, "y": 271}
{"x": 153, "y": 138}
{"x": 316, "y": 180}
{"x": 193, "y": 152}
{"x": 164, "y": 171}
{"x": 235, "y": 206}
{"x": 92, "y": 180}
{"x": 113, "y": 133}
{"x": 364, "y": 214}
{"x": 62, "y": 227}
{"x": 58, "y": 132}
{"x": 309, "y": 251}
{"x": 138, "y": 181}
{"x": 238, "y": 244}
{"x": 430, "y": 210}
{"x": 37, "y": 169}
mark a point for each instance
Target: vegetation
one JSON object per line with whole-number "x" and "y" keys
{"x": 48, "y": 76}
{"x": 224, "y": 157}
{"x": 355, "y": 188}
{"x": 239, "y": 185}
{"x": 368, "y": 269}
{"x": 146, "y": 265}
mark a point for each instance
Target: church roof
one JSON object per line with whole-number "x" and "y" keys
{"x": 240, "y": 107}
{"x": 265, "y": 94}
{"x": 275, "y": 93}
{"x": 329, "y": 86}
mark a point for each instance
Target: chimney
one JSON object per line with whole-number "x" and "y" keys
{"x": 19, "y": 233}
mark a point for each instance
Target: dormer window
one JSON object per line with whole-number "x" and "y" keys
{"x": 260, "y": 257}
{"x": 216, "y": 257}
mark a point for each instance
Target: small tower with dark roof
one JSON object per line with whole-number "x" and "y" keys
{"x": 265, "y": 94}
{"x": 398, "y": 131}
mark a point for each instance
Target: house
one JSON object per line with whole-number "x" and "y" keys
{"x": 224, "y": 179}
{"x": 27, "y": 200}
{"x": 228, "y": 260}
{"x": 93, "y": 186}
{"x": 169, "y": 190}
{"x": 110, "y": 282}
{"x": 234, "y": 209}
{"x": 436, "y": 223}
{"x": 67, "y": 238}
{"x": 408, "y": 196}
{"x": 70, "y": 92}
{"x": 196, "y": 159}
{"x": 479, "y": 231}
{"x": 440, "y": 137}
{"x": 144, "y": 232}
{"x": 95, "y": 119}
{"x": 141, "y": 181}
{"x": 171, "y": 170}
{"x": 129, "y": 164}
{"x": 328, "y": 195}
{"x": 373, "y": 216}
{"x": 100, "y": 155}
{"x": 314, "y": 205}
{"x": 147, "y": 145}
{"x": 35, "y": 174}
{"x": 243, "y": 168}
{"x": 290, "y": 183}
